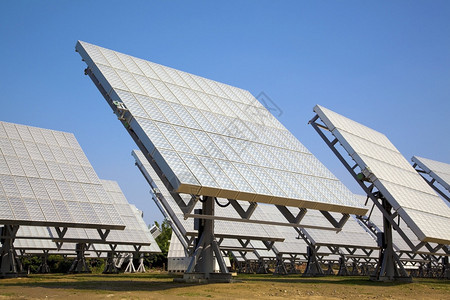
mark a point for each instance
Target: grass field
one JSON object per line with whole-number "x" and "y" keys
{"x": 161, "y": 286}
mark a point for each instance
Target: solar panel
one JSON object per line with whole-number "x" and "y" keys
{"x": 383, "y": 165}
{"x": 33, "y": 237}
{"x": 135, "y": 232}
{"x": 222, "y": 228}
{"x": 46, "y": 180}
{"x": 212, "y": 139}
{"x": 438, "y": 171}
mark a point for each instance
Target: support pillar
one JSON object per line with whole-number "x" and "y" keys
{"x": 141, "y": 267}
{"x": 389, "y": 267}
{"x": 130, "y": 267}
{"x": 43, "y": 267}
{"x": 445, "y": 268}
{"x": 263, "y": 267}
{"x": 355, "y": 271}
{"x": 110, "y": 265}
{"x": 79, "y": 265}
{"x": 280, "y": 266}
{"x": 329, "y": 271}
{"x": 313, "y": 267}
{"x": 9, "y": 266}
{"x": 201, "y": 266}
{"x": 343, "y": 271}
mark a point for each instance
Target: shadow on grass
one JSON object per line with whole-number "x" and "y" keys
{"x": 103, "y": 283}
{"x": 100, "y": 283}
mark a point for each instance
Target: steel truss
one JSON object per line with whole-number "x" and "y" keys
{"x": 389, "y": 265}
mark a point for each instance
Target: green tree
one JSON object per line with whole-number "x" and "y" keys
{"x": 163, "y": 240}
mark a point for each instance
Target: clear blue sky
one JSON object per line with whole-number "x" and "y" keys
{"x": 385, "y": 64}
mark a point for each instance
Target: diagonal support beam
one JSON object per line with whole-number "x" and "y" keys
{"x": 61, "y": 231}
{"x": 245, "y": 214}
{"x": 332, "y": 220}
{"x": 289, "y": 216}
{"x": 103, "y": 234}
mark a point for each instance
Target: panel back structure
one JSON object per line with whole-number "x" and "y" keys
{"x": 373, "y": 221}
{"x": 390, "y": 182}
{"x": 434, "y": 172}
{"x": 350, "y": 242}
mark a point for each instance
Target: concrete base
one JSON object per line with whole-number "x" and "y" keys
{"x": 206, "y": 278}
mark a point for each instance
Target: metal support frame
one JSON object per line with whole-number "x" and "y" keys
{"x": 313, "y": 266}
{"x": 343, "y": 270}
{"x": 431, "y": 182}
{"x": 329, "y": 270}
{"x": 201, "y": 266}
{"x": 110, "y": 264}
{"x": 130, "y": 266}
{"x": 141, "y": 267}
{"x": 43, "y": 267}
{"x": 389, "y": 266}
{"x": 10, "y": 265}
{"x": 79, "y": 265}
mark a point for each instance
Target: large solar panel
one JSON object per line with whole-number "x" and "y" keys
{"x": 46, "y": 179}
{"x": 439, "y": 171}
{"x": 212, "y": 139}
{"x": 383, "y": 165}
{"x": 222, "y": 228}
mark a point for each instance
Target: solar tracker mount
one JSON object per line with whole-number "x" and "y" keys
{"x": 212, "y": 140}
{"x": 362, "y": 144}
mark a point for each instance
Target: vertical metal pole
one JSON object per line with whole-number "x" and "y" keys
{"x": 206, "y": 261}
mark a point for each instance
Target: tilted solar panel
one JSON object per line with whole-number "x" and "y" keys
{"x": 439, "y": 171}
{"x": 46, "y": 179}
{"x": 383, "y": 165}
{"x": 212, "y": 139}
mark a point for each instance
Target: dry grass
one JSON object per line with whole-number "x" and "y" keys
{"x": 161, "y": 286}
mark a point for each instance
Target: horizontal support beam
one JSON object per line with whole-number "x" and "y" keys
{"x": 259, "y": 222}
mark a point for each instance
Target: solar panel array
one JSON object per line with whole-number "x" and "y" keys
{"x": 213, "y": 139}
{"x": 135, "y": 232}
{"x": 46, "y": 179}
{"x": 222, "y": 228}
{"x": 437, "y": 170}
{"x": 415, "y": 201}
